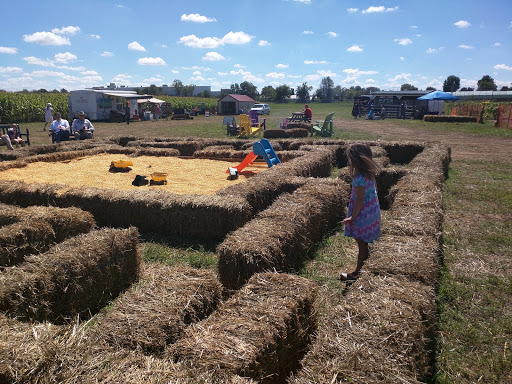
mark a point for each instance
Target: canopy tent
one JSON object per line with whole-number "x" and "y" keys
{"x": 438, "y": 95}
{"x": 153, "y": 100}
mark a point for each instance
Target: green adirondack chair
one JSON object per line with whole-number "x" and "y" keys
{"x": 325, "y": 129}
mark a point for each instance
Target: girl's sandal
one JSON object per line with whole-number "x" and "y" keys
{"x": 348, "y": 277}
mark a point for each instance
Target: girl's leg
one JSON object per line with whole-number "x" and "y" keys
{"x": 361, "y": 256}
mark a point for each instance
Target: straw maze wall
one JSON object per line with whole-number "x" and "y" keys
{"x": 265, "y": 329}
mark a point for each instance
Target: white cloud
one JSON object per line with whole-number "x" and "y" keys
{"x": 196, "y": 73}
{"x": 197, "y": 18}
{"x": 308, "y": 32}
{"x": 197, "y": 68}
{"x": 414, "y": 27}
{"x": 163, "y": 45}
{"x": 462, "y": 24}
{"x": 46, "y": 38}
{"x": 332, "y": 34}
{"x": 65, "y": 57}
{"x": 263, "y": 43}
{"x": 352, "y": 10}
{"x": 327, "y": 73}
{"x": 236, "y": 38}
{"x": 107, "y": 54}
{"x": 46, "y": 74}
{"x": 312, "y": 78}
{"x": 198, "y": 78}
{"x": 282, "y": 66}
{"x": 89, "y": 73}
{"x": 315, "y": 62}
{"x": 135, "y": 46}
{"x": 95, "y": 36}
{"x": 239, "y": 66}
{"x": 153, "y": 80}
{"x": 151, "y": 61}
{"x": 404, "y": 41}
{"x": 357, "y": 72}
{"x": 303, "y": 1}
{"x": 37, "y": 61}
{"x": 379, "y": 9}
{"x": 464, "y": 46}
{"x": 275, "y": 75}
{"x": 222, "y": 73}
{"x": 70, "y": 30}
{"x": 68, "y": 68}
{"x": 196, "y": 42}
{"x": 9, "y": 50}
{"x": 496, "y": 44}
{"x": 431, "y": 50}
{"x": 402, "y": 58}
{"x": 213, "y": 56}
{"x": 10, "y": 70}
{"x": 401, "y": 77}
{"x": 174, "y": 71}
{"x": 354, "y": 48}
{"x": 503, "y": 66}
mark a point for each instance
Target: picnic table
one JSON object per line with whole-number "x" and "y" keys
{"x": 297, "y": 117}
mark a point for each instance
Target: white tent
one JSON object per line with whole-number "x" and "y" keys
{"x": 153, "y": 100}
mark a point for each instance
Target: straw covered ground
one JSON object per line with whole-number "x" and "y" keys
{"x": 185, "y": 176}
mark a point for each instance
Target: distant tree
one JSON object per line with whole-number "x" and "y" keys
{"x": 268, "y": 93}
{"x": 178, "y": 87}
{"x": 303, "y": 91}
{"x": 505, "y": 88}
{"x": 430, "y": 89}
{"x": 63, "y": 90}
{"x": 467, "y": 89}
{"x": 327, "y": 89}
{"x": 408, "y": 87}
{"x": 188, "y": 90}
{"x": 42, "y": 90}
{"x": 486, "y": 83}
{"x": 283, "y": 92}
{"x": 371, "y": 89}
{"x": 248, "y": 89}
{"x": 235, "y": 89}
{"x": 205, "y": 93}
{"x": 451, "y": 84}
{"x": 154, "y": 90}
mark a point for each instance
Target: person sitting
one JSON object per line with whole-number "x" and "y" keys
{"x": 60, "y": 127}
{"x": 15, "y": 135}
{"x": 82, "y": 127}
{"x": 308, "y": 113}
{"x": 4, "y": 139}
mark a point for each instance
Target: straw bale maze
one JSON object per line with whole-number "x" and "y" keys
{"x": 77, "y": 304}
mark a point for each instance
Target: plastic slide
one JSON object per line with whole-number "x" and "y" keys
{"x": 264, "y": 149}
{"x": 249, "y": 159}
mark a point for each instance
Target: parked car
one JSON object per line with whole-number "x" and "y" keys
{"x": 262, "y": 109}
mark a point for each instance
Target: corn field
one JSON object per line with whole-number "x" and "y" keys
{"x": 29, "y": 107}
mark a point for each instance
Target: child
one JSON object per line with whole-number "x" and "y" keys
{"x": 14, "y": 135}
{"x": 363, "y": 221}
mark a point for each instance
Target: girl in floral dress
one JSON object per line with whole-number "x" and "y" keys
{"x": 363, "y": 218}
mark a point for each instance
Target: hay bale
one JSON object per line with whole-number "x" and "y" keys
{"x": 66, "y": 222}
{"x": 220, "y": 152}
{"x": 285, "y": 232}
{"x": 77, "y": 276}
{"x": 417, "y": 258}
{"x": 402, "y": 153}
{"x": 158, "y": 152}
{"x": 24, "y": 238}
{"x": 155, "y": 312}
{"x": 26, "y": 349}
{"x": 261, "y": 332}
{"x": 380, "y": 333}
{"x": 185, "y": 147}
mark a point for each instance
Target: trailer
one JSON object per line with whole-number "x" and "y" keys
{"x": 98, "y": 104}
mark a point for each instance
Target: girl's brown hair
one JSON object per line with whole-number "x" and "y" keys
{"x": 361, "y": 160}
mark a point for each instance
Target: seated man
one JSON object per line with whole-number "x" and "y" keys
{"x": 308, "y": 113}
{"x": 15, "y": 135}
{"x": 61, "y": 128}
{"x": 82, "y": 127}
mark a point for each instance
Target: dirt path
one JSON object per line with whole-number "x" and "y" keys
{"x": 464, "y": 146}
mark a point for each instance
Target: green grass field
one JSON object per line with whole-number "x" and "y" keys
{"x": 474, "y": 336}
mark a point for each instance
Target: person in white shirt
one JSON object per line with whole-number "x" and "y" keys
{"x": 82, "y": 128}
{"x": 61, "y": 128}
{"x": 48, "y": 115}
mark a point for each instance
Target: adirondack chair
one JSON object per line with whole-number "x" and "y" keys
{"x": 253, "y": 115}
{"x": 325, "y": 129}
{"x": 246, "y": 127}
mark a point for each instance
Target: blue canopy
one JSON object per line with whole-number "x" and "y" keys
{"x": 438, "y": 95}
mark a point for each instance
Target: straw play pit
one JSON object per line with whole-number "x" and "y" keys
{"x": 198, "y": 176}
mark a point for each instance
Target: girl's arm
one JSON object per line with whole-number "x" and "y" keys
{"x": 358, "y": 204}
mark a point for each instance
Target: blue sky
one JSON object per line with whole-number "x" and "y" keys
{"x": 77, "y": 44}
